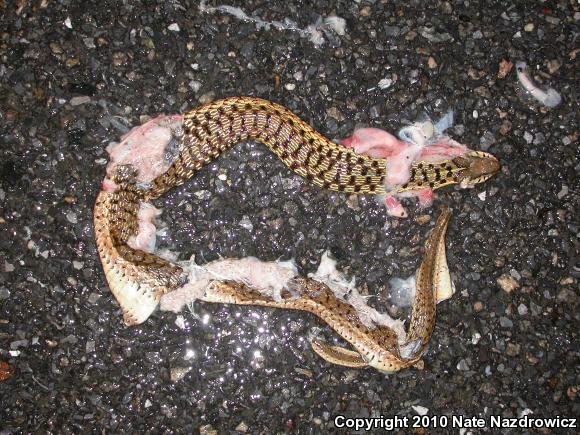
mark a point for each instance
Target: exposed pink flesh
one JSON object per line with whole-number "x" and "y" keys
{"x": 145, "y": 238}
{"x": 108, "y": 185}
{"x": 374, "y": 142}
{"x": 445, "y": 148}
{"x": 425, "y": 197}
{"x": 399, "y": 165}
{"x": 394, "y": 207}
{"x": 400, "y": 156}
{"x": 143, "y": 147}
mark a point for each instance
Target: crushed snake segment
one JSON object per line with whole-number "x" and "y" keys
{"x": 138, "y": 278}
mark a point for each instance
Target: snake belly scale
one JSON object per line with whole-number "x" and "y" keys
{"x": 138, "y": 279}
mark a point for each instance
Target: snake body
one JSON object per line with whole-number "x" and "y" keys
{"x": 138, "y": 279}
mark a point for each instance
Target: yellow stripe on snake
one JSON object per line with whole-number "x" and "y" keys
{"x": 138, "y": 279}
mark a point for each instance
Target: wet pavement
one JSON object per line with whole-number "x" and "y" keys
{"x": 75, "y": 77}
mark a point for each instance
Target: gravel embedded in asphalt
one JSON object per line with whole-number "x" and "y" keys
{"x": 75, "y": 77}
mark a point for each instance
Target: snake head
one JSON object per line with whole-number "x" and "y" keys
{"x": 477, "y": 167}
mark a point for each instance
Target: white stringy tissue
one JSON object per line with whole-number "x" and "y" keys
{"x": 315, "y": 32}
{"x": 267, "y": 277}
{"x": 270, "y": 278}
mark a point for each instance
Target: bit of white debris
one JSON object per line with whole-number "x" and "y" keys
{"x": 67, "y": 23}
{"x": 314, "y": 32}
{"x": 337, "y": 24}
{"x": 167, "y": 254}
{"x": 475, "y": 114}
{"x": 385, "y": 83}
{"x": 180, "y": 322}
{"x": 78, "y": 265}
{"x": 222, "y": 177}
{"x": 475, "y": 338}
{"x": 525, "y": 412}
{"x": 427, "y": 132}
{"x": 14, "y": 352}
{"x": 482, "y": 195}
{"x": 148, "y": 403}
{"x": 8, "y": 267}
{"x": 290, "y": 86}
{"x": 174, "y": 27}
{"x": 549, "y": 98}
{"x": 445, "y": 122}
{"x": 421, "y": 410}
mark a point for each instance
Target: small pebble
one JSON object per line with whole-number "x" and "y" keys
{"x": 385, "y": 83}
{"x": 462, "y": 365}
{"x": 507, "y": 283}
{"x": 77, "y": 101}
{"x": 505, "y": 322}
{"x": 242, "y": 427}
{"x": 423, "y": 219}
{"x": 178, "y": 373}
{"x": 512, "y": 349}
{"x": 71, "y": 217}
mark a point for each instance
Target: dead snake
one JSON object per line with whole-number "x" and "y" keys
{"x": 138, "y": 279}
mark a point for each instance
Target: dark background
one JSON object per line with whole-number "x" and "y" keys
{"x": 65, "y": 93}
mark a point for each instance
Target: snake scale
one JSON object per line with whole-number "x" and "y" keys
{"x": 138, "y": 279}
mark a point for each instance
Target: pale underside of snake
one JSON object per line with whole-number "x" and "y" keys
{"x": 138, "y": 278}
